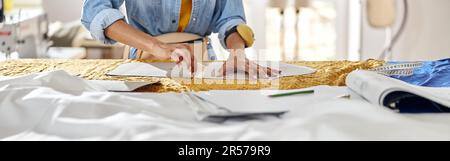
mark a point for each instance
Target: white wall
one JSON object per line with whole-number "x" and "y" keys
{"x": 63, "y": 10}
{"x": 256, "y": 12}
{"x": 27, "y": 2}
{"x": 427, "y": 35}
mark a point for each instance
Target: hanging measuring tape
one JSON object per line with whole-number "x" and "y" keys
{"x": 404, "y": 69}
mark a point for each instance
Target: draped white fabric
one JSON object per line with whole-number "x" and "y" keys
{"x": 57, "y": 106}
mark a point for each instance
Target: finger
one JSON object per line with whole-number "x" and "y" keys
{"x": 223, "y": 69}
{"x": 194, "y": 63}
{"x": 189, "y": 55}
{"x": 183, "y": 56}
{"x": 272, "y": 72}
{"x": 228, "y": 67}
{"x": 183, "y": 59}
{"x": 175, "y": 56}
{"x": 251, "y": 70}
{"x": 190, "y": 60}
{"x": 262, "y": 71}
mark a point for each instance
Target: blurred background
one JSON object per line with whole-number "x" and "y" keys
{"x": 311, "y": 30}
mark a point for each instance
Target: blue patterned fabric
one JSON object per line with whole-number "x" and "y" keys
{"x": 431, "y": 74}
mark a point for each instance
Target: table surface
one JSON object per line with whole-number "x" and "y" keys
{"x": 331, "y": 73}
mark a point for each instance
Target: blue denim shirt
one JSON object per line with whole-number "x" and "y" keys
{"x": 157, "y": 17}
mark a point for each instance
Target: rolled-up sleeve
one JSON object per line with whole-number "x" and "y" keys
{"x": 231, "y": 14}
{"x": 99, "y": 15}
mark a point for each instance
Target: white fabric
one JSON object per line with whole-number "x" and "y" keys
{"x": 57, "y": 106}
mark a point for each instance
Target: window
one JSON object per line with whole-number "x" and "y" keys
{"x": 322, "y": 31}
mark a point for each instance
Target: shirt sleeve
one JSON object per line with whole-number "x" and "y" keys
{"x": 231, "y": 14}
{"x": 100, "y": 14}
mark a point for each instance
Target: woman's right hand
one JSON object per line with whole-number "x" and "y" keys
{"x": 182, "y": 54}
{"x": 153, "y": 49}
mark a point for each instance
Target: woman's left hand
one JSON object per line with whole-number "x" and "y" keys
{"x": 238, "y": 62}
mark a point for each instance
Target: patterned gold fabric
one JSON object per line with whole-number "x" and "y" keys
{"x": 331, "y": 73}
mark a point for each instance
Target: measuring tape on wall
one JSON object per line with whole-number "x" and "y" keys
{"x": 404, "y": 69}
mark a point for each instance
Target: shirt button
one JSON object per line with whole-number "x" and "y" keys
{"x": 195, "y": 19}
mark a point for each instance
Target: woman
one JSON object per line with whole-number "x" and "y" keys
{"x": 150, "y": 18}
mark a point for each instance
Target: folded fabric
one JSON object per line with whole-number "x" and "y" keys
{"x": 58, "y": 80}
{"x": 430, "y": 74}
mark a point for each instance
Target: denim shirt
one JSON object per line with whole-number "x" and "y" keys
{"x": 156, "y": 17}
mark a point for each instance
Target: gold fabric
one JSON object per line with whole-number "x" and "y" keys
{"x": 331, "y": 73}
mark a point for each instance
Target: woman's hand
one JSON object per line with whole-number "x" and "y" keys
{"x": 182, "y": 54}
{"x": 237, "y": 61}
{"x": 153, "y": 49}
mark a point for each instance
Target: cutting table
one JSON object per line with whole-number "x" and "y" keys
{"x": 331, "y": 73}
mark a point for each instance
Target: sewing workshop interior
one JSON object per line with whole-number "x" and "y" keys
{"x": 224, "y": 70}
